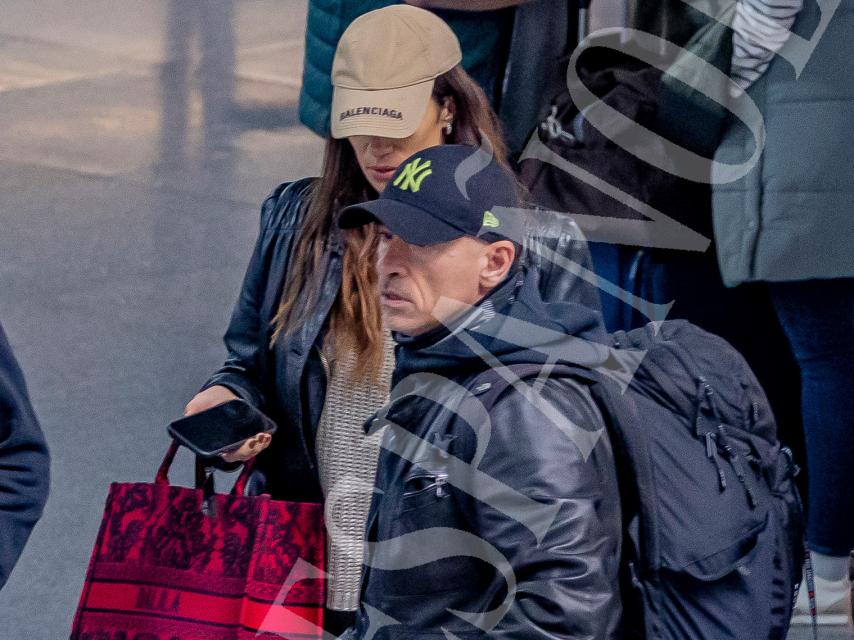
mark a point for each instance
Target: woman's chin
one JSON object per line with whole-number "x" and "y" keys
{"x": 379, "y": 185}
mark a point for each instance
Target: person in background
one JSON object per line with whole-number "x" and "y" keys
{"x": 851, "y": 591}
{"x": 466, "y": 446}
{"x": 24, "y": 462}
{"x": 305, "y": 342}
{"x": 788, "y": 225}
{"x": 543, "y": 36}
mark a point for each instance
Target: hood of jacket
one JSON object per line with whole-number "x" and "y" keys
{"x": 510, "y": 325}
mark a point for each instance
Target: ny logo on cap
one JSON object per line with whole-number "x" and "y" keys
{"x": 413, "y": 175}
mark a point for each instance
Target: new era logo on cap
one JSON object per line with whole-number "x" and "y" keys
{"x": 490, "y": 221}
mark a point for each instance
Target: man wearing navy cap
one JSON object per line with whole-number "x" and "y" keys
{"x": 496, "y": 511}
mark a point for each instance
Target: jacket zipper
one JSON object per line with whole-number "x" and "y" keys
{"x": 327, "y": 368}
{"x": 439, "y": 482}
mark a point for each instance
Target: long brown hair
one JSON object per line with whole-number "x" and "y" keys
{"x": 355, "y": 321}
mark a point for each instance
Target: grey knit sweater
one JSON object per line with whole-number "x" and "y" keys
{"x": 347, "y": 461}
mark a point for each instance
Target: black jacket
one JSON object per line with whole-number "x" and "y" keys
{"x": 24, "y": 463}
{"x": 288, "y": 382}
{"x": 492, "y": 495}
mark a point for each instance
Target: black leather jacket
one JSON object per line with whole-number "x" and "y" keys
{"x": 493, "y": 494}
{"x": 288, "y": 382}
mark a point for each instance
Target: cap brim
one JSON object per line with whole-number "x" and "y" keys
{"x": 412, "y": 224}
{"x": 390, "y": 113}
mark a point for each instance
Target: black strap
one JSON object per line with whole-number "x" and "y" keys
{"x": 205, "y": 482}
{"x": 575, "y": 21}
{"x": 581, "y": 21}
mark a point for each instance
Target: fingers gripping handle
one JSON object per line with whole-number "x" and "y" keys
{"x": 163, "y": 472}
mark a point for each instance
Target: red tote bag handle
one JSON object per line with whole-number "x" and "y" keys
{"x": 239, "y": 488}
{"x": 162, "y": 477}
{"x": 163, "y": 472}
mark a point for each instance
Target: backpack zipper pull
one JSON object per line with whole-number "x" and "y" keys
{"x": 553, "y": 129}
{"x": 794, "y": 469}
{"x": 712, "y": 454}
{"x": 735, "y": 460}
{"x": 704, "y": 396}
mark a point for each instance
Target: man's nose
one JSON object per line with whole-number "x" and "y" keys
{"x": 391, "y": 260}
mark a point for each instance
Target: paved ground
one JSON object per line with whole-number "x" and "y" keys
{"x": 129, "y": 193}
{"x": 130, "y": 178}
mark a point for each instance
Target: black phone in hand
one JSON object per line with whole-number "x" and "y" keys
{"x": 221, "y": 428}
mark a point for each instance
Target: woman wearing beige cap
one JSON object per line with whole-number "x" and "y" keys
{"x": 305, "y": 342}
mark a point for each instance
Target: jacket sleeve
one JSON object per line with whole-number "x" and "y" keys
{"x": 246, "y": 338}
{"x": 760, "y": 29}
{"x": 557, "y": 250}
{"x": 567, "y": 568}
{"x": 24, "y": 463}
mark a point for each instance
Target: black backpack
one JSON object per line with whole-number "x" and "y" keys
{"x": 715, "y": 522}
{"x": 713, "y": 543}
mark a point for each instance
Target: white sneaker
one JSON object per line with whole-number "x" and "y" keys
{"x": 831, "y": 602}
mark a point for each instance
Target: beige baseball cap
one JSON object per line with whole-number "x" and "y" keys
{"x": 384, "y": 69}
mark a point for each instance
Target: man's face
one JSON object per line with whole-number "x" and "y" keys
{"x": 413, "y": 279}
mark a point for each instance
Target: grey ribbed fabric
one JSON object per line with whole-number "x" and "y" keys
{"x": 761, "y": 28}
{"x": 347, "y": 461}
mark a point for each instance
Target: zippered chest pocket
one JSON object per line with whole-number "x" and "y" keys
{"x": 426, "y": 500}
{"x": 425, "y": 483}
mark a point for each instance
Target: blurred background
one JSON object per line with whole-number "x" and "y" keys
{"x": 138, "y": 140}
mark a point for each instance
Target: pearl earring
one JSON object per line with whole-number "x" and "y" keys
{"x": 449, "y": 128}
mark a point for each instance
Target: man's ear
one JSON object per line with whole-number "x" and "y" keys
{"x": 499, "y": 258}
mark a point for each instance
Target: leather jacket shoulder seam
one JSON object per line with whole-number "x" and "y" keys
{"x": 285, "y": 207}
{"x": 564, "y": 387}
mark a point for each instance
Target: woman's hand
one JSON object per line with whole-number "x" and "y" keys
{"x": 210, "y": 397}
{"x": 249, "y": 449}
{"x": 218, "y": 394}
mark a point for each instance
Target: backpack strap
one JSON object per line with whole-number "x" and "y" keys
{"x": 621, "y": 421}
{"x": 810, "y": 575}
{"x": 631, "y": 453}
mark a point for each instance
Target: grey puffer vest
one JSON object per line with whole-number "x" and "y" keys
{"x": 792, "y": 216}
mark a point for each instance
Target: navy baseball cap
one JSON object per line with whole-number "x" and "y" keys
{"x": 441, "y": 194}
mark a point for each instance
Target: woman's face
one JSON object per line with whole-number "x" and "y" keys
{"x": 379, "y": 157}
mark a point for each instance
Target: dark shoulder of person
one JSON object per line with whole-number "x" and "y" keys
{"x": 24, "y": 463}
{"x": 16, "y": 412}
{"x": 285, "y": 207}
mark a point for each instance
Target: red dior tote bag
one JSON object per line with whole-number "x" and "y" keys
{"x": 171, "y": 563}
